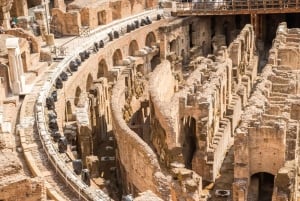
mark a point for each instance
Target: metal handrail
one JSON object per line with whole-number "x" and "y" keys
{"x": 239, "y": 5}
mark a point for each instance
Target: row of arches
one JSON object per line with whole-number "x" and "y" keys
{"x": 103, "y": 66}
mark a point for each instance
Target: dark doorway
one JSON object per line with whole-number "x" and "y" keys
{"x": 191, "y": 35}
{"x": 101, "y": 17}
{"x": 154, "y": 62}
{"x": 261, "y": 187}
{"x": 292, "y": 20}
{"x": 189, "y": 142}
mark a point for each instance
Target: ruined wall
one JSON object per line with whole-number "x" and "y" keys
{"x": 14, "y": 185}
{"x": 5, "y": 13}
{"x": 174, "y": 39}
{"x": 4, "y": 75}
{"x": 60, "y": 4}
{"x": 183, "y": 184}
{"x": 66, "y": 23}
{"x": 23, "y": 189}
{"x": 201, "y": 37}
{"x": 19, "y": 8}
{"x": 95, "y": 16}
{"x": 266, "y": 140}
{"x": 140, "y": 164}
{"x": 164, "y": 110}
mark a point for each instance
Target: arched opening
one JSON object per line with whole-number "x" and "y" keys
{"x": 173, "y": 46}
{"x": 150, "y": 39}
{"x": 89, "y": 82}
{"x": 261, "y": 186}
{"x": 133, "y": 48}
{"x": 101, "y": 17}
{"x": 69, "y": 112}
{"x": 116, "y": 10}
{"x": 117, "y": 57}
{"x": 102, "y": 69}
{"x": 189, "y": 140}
{"x": 77, "y": 96}
{"x": 155, "y": 61}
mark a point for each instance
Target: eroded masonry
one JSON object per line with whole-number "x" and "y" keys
{"x": 149, "y": 100}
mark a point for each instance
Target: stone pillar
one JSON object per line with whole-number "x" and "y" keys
{"x": 50, "y": 39}
{"x": 2, "y": 91}
{"x": 60, "y": 4}
{"x": 6, "y": 20}
{"x": 16, "y": 74}
{"x": 164, "y": 46}
{"x": 5, "y": 14}
{"x": 239, "y": 189}
{"x": 84, "y": 142}
{"x": 147, "y": 65}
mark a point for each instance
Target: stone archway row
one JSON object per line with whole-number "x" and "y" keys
{"x": 85, "y": 192}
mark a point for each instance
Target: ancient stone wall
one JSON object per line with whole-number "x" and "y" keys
{"x": 4, "y": 75}
{"x": 66, "y": 23}
{"x": 211, "y": 98}
{"x": 19, "y": 8}
{"x": 90, "y": 14}
{"x": 165, "y": 127}
{"x": 141, "y": 167}
{"x": 23, "y": 189}
{"x": 266, "y": 138}
{"x": 36, "y": 44}
{"x": 60, "y": 4}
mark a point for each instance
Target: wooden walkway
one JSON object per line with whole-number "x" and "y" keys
{"x": 240, "y": 7}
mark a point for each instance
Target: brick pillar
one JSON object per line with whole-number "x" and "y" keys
{"x": 60, "y": 4}
{"x": 16, "y": 74}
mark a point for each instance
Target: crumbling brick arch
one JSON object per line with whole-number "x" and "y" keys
{"x": 117, "y": 58}
{"x": 89, "y": 82}
{"x": 77, "y": 96}
{"x": 102, "y": 69}
{"x": 150, "y": 39}
{"x": 133, "y": 48}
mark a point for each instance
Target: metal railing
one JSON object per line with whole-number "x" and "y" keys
{"x": 84, "y": 192}
{"x": 239, "y": 5}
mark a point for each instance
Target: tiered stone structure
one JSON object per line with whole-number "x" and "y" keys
{"x": 145, "y": 106}
{"x": 266, "y": 140}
